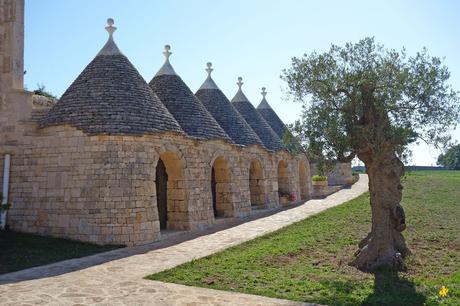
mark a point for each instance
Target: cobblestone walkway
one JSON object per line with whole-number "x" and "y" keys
{"x": 116, "y": 277}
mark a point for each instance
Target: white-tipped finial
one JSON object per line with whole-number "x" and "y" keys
{"x": 110, "y": 48}
{"x": 110, "y": 28}
{"x": 166, "y": 52}
{"x": 240, "y": 82}
{"x": 209, "y": 69}
{"x": 166, "y": 69}
{"x": 264, "y": 93}
{"x": 209, "y": 82}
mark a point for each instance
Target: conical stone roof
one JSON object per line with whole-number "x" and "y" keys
{"x": 269, "y": 138}
{"x": 277, "y": 124}
{"x": 270, "y": 116}
{"x": 225, "y": 113}
{"x": 191, "y": 114}
{"x": 111, "y": 97}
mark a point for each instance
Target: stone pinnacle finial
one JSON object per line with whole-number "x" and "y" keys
{"x": 240, "y": 82}
{"x": 166, "y": 69}
{"x": 166, "y": 52}
{"x": 209, "y": 69}
{"x": 209, "y": 82}
{"x": 110, "y": 47}
{"x": 110, "y": 28}
{"x": 264, "y": 93}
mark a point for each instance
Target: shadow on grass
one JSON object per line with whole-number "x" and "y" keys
{"x": 391, "y": 289}
{"x": 23, "y": 269}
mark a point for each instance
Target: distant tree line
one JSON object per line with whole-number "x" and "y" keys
{"x": 450, "y": 159}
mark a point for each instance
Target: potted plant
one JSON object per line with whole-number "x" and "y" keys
{"x": 284, "y": 197}
{"x": 319, "y": 180}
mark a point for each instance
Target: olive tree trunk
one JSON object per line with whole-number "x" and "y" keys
{"x": 384, "y": 247}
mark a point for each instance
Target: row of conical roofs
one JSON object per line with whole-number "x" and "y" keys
{"x": 111, "y": 97}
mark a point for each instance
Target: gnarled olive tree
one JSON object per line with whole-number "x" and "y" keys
{"x": 362, "y": 99}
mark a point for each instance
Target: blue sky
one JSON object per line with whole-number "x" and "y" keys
{"x": 253, "y": 39}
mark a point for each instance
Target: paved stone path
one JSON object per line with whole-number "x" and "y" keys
{"x": 116, "y": 277}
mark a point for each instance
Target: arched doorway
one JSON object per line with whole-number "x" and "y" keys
{"x": 221, "y": 188}
{"x": 303, "y": 181}
{"x": 283, "y": 180}
{"x": 170, "y": 192}
{"x": 256, "y": 184}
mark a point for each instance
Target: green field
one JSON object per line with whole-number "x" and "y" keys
{"x": 307, "y": 261}
{"x": 20, "y": 251}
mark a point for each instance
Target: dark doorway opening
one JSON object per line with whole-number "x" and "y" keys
{"x": 162, "y": 193}
{"x": 213, "y": 190}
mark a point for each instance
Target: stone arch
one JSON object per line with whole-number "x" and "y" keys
{"x": 170, "y": 191}
{"x": 283, "y": 179}
{"x": 221, "y": 188}
{"x": 303, "y": 180}
{"x": 172, "y": 149}
{"x": 256, "y": 184}
{"x": 218, "y": 154}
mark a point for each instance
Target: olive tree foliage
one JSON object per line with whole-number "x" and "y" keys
{"x": 364, "y": 100}
{"x": 451, "y": 158}
{"x": 411, "y": 90}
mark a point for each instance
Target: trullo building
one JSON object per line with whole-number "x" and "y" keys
{"x": 118, "y": 160}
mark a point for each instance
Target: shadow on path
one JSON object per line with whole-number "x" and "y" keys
{"x": 169, "y": 238}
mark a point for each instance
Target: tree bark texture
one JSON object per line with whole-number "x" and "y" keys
{"x": 384, "y": 247}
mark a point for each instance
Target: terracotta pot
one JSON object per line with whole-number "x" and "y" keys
{"x": 284, "y": 200}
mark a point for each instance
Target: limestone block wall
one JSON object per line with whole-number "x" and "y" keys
{"x": 101, "y": 189}
{"x": 320, "y": 191}
{"x": 304, "y": 178}
{"x": 268, "y": 184}
{"x": 67, "y": 184}
{"x": 232, "y": 188}
{"x": 15, "y": 103}
{"x": 341, "y": 174}
{"x": 11, "y": 45}
{"x": 297, "y": 183}
{"x": 199, "y": 158}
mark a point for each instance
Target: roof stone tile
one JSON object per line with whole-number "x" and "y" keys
{"x": 191, "y": 114}
{"x": 270, "y": 116}
{"x": 111, "y": 97}
{"x": 225, "y": 113}
{"x": 269, "y": 138}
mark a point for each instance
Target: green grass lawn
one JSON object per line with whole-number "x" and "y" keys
{"x": 307, "y": 261}
{"x": 20, "y": 251}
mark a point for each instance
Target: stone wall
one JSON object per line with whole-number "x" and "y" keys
{"x": 11, "y": 44}
{"x": 66, "y": 184}
{"x": 101, "y": 189}
{"x": 340, "y": 175}
{"x": 15, "y": 103}
{"x": 322, "y": 191}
